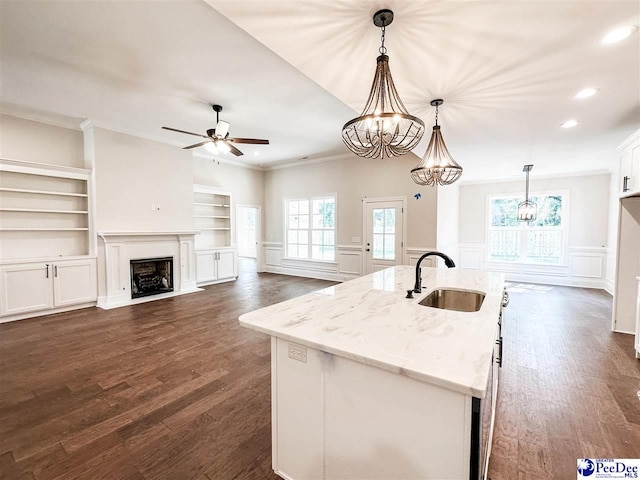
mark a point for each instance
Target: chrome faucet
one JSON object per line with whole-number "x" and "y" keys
{"x": 447, "y": 261}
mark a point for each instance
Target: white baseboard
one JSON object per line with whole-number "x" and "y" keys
{"x": 317, "y": 274}
{"x": 42, "y": 313}
{"x": 105, "y": 304}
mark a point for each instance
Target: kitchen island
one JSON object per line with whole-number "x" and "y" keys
{"x": 367, "y": 384}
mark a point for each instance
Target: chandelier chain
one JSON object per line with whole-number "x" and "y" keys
{"x": 436, "y": 115}
{"x": 382, "y": 49}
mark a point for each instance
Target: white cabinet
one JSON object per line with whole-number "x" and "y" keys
{"x": 25, "y": 288}
{"x": 74, "y": 282}
{"x": 216, "y": 255}
{"x": 214, "y": 266}
{"x": 42, "y": 286}
{"x": 629, "y": 153}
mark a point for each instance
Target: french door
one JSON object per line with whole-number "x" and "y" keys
{"x": 383, "y": 234}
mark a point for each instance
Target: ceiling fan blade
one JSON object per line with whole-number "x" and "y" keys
{"x": 196, "y": 145}
{"x": 234, "y": 150}
{"x": 254, "y": 141}
{"x": 183, "y": 131}
{"x": 222, "y": 129}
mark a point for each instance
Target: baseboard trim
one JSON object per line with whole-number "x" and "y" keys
{"x": 42, "y": 313}
{"x": 317, "y": 274}
{"x": 103, "y": 304}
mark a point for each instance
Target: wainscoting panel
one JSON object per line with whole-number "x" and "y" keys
{"x": 610, "y": 270}
{"x": 272, "y": 253}
{"x": 349, "y": 259}
{"x": 585, "y": 267}
{"x": 347, "y": 266}
{"x": 413, "y": 254}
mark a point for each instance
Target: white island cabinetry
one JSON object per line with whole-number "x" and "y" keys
{"x": 368, "y": 384}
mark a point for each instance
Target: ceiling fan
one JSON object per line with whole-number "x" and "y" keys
{"x": 217, "y": 139}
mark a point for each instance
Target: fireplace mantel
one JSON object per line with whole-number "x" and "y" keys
{"x": 120, "y": 247}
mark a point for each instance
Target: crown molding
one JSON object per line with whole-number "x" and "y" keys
{"x": 301, "y": 163}
{"x": 53, "y": 120}
{"x": 635, "y": 136}
{"x": 547, "y": 176}
{"x": 228, "y": 161}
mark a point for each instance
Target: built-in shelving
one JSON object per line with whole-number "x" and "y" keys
{"x": 211, "y": 217}
{"x": 44, "y": 210}
{"x": 41, "y": 192}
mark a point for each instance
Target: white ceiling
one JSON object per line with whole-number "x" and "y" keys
{"x": 507, "y": 71}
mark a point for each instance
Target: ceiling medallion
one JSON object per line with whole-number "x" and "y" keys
{"x": 384, "y": 128}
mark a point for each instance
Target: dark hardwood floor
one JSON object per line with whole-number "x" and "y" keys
{"x": 568, "y": 386}
{"x": 176, "y": 389}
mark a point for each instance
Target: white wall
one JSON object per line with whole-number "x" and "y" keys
{"x": 133, "y": 173}
{"x": 588, "y": 230}
{"x": 448, "y": 220}
{"x": 352, "y": 179}
{"x": 245, "y": 184}
{"x": 37, "y": 142}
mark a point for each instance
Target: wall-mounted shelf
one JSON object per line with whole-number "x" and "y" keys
{"x": 37, "y": 210}
{"x": 41, "y": 192}
{"x": 211, "y": 204}
{"x": 44, "y": 210}
{"x": 38, "y": 229}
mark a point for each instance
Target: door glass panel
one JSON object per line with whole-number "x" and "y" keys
{"x": 378, "y": 246}
{"x": 384, "y": 229}
{"x": 378, "y": 220}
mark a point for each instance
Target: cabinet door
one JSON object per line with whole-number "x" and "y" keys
{"x": 626, "y": 170}
{"x": 635, "y": 169}
{"x": 25, "y": 288}
{"x": 226, "y": 264}
{"x": 74, "y": 282}
{"x": 205, "y": 266}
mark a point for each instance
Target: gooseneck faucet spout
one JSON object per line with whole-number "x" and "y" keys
{"x": 447, "y": 261}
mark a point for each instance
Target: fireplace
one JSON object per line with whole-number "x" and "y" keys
{"x": 151, "y": 276}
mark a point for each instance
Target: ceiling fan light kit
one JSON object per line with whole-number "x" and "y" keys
{"x": 384, "y": 128}
{"x": 217, "y": 139}
{"x": 437, "y": 165}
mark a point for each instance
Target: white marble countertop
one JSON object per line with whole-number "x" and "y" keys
{"x": 369, "y": 320}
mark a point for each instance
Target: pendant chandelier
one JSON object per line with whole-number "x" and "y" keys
{"x": 437, "y": 164}
{"x": 527, "y": 210}
{"x": 384, "y": 128}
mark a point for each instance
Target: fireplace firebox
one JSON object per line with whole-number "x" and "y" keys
{"x": 151, "y": 276}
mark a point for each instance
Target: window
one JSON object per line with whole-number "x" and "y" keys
{"x": 384, "y": 233}
{"x": 311, "y": 228}
{"x": 540, "y": 241}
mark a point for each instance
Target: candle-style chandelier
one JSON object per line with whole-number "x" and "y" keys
{"x": 527, "y": 210}
{"x": 384, "y": 128}
{"x": 437, "y": 164}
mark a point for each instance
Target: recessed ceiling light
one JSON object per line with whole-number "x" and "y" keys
{"x": 256, "y": 153}
{"x": 569, "y": 124}
{"x": 619, "y": 34}
{"x": 586, "y": 93}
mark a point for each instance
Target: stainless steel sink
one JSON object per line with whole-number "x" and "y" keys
{"x": 451, "y": 299}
